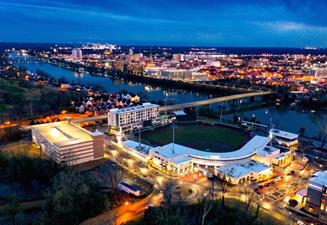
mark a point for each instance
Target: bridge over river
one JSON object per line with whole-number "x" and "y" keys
{"x": 214, "y": 100}
{"x": 192, "y": 104}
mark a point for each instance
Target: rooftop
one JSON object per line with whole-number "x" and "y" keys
{"x": 131, "y": 186}
{"x": 320, "y": 178}
{"x": 283, "y": 134}
{"x": 174, "y": 150}
{"x": 268, "y": 150}
{"x": 136, "y": 146}
{"x": 64, "y": 133}
{"x": 241, "y": 170}
{"x": 134, "y": 108}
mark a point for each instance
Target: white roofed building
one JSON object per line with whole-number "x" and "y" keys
{"x": 239, "y": 173}
{"x": 67, "y": 143}
{"x": 180, "y": 159}
{"x": 284, "y": 138}
{"x": 273, "y": 156}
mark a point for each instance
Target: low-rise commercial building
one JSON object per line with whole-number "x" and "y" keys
{"x": 127, "y": 119}
{"x": 173, "y": 158}
{"x": 273, "y": 156}
{"x": 67, "y": 143}
{"x": 284, "y": 138}
{"x": 250, "y": 171}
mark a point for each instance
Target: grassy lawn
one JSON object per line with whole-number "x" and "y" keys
{"x": 198, "y": 136}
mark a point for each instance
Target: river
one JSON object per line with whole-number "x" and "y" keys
{"x": 109, "y": 84}
{"x": 282, "y": 116}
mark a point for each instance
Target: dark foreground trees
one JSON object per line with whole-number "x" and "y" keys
{"x": 206, "y": 213}
{"x": 26, "y": 170}
{"x": 69, "y": 197}
{"x": 73, "y": 198}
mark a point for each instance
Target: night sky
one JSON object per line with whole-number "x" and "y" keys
{"x": 238, "y": 23}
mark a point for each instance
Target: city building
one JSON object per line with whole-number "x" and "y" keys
{"x": 67, "y": 143}
{"x": 176, "y": 74}
{"x": 138, "y": 150}
{"x": 249, "y": 171}
{"x": 317, "y": 195}
{"x": 173, "y": 158}
{"x": 178, "y": 57}
{"x": 152, "y": 72}
{"x": 284, "y": 138}
{"x": 199, "y": 76}
{"x": 127, "y": 119}
{"x": 273, "y": 156}
{"x": 77, "y": 54}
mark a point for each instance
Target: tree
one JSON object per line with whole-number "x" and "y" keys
{"x": 111, "y": 175}
{"x": 206, "y": 206}
{"x": 249, "y": 198}
{"x": 292, "y": 203}
{"x": 73, "y": 198}
{"x": 301, "y": 131}
{"x": 168, "y": 193}
{"x": 13, "y": 209}
{"x": 224, "y": 185}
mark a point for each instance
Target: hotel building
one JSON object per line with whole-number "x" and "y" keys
{"x": 67, "y": 143}
{"x": 130, "y": 118}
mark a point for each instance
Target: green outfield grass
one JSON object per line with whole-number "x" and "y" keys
{"x": 198, "y": 136}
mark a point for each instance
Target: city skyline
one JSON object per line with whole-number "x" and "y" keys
{"x": 236, "y": 23}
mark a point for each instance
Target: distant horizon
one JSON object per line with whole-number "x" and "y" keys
{"x": 159, "y": 45}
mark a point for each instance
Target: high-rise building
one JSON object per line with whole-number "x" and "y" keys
{"x": 77, "y": 54}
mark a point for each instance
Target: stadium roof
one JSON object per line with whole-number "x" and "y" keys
{"x": 250, "y": 148}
